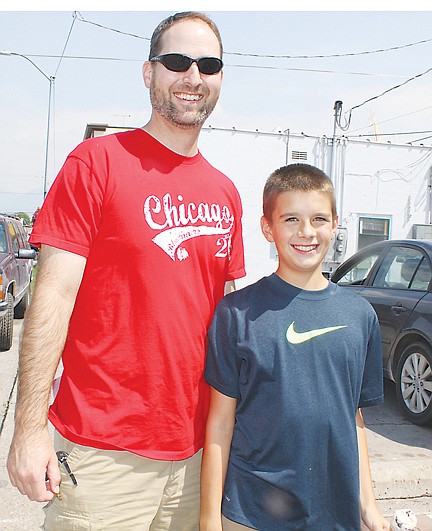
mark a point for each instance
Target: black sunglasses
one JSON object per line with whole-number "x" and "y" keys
{"x": 177, "y": 62}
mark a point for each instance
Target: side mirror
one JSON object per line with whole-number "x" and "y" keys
{"x": 28, "y": 254}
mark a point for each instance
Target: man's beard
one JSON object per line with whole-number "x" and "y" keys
{"x": 183, "y": 119}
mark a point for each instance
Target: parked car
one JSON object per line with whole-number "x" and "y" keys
{"x": 395, "y": 276}
{"x": 16, "y": 267}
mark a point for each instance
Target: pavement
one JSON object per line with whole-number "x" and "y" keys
{"x": 400, "y": 457}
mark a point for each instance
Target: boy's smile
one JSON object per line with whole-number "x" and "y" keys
{"x": 302, "y": 228}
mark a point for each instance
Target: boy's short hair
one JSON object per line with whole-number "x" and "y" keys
{"x": 298, "y": 178}
{"x": 155, "y": 43}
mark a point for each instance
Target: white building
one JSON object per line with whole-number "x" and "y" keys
{"x": 384, "y": 190}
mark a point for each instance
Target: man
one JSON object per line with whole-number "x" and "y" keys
{"x": 139, "y": 238}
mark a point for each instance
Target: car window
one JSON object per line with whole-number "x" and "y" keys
{"x": 3, "y": 239}
{"x": 14, "y": 238}
{"x": 357, "y": 274}
{"x": 21, "y": 235}
{"x": 422, "y": 276}
{"x": 400, "y": 269}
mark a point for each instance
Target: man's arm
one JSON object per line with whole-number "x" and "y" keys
{"x": 45, "y": 327}
{"x": 219, "y": 430}
{"x": 370, "y": 513}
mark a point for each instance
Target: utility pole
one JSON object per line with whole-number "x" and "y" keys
{"x": 51, "y": 80}
{"x": 337, "y": 112}
{"x": 340, "y": 239}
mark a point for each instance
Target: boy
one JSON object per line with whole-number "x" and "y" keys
{"x": 291, "y": 360}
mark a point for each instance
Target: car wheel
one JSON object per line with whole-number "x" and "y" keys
{"x": 6, "y": 325}
{"x": 22, "y": 306}
{"x": 414, "y": 383}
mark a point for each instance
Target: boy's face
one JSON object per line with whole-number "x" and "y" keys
{"x": 302, "y": 227}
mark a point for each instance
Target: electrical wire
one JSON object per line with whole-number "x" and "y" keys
{"x": 390, "y": 89}
{"x": 420, "y": 139}
{"x": 318, "y": 71}
{"x": 394, "y": 118}
{"x": 349, "y": 54}
{"x": 82, "y": 19}
{"x": 391, "y": 134}
{"x": 349, "y": 112}
{"x": 66, "y": 43}
{"x": 406, "y": 174}
{"x": 267, "y": 56}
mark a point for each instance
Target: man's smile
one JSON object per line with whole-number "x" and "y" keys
{"x": 188, "y": 97}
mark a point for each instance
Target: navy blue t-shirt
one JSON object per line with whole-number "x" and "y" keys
{"x": 300, "y": 363}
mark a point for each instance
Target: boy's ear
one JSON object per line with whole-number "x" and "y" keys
{"x": 266, "y": 229}
{"x": 335, "y": 225}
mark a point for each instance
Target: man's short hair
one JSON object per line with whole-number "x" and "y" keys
{"x": 296, "y": 178}
{"x": 155, "y": 43}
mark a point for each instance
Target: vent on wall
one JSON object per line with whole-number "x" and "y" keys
{"x": 422, "y": 232}
{"x": 299, "y": 155}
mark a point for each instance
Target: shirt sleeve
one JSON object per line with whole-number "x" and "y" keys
{"x": 222, "y": 369}
{"x": 72, "y": 210}
{"x": 372, "y": 392}
{"x": 237, "y": 264}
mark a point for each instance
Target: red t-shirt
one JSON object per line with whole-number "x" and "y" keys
{"x": 162, "y": 234}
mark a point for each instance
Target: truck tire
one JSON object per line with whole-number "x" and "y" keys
{"x": 6, "y": 325}
{"x": 22, "y": 306}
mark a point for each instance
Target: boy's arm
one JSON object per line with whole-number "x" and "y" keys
{"x": 219, "y": 430}
{"x": 370, "y": 513}
{"x": 229, "y": 287}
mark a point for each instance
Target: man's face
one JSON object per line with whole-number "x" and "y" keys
{"x": 185, "y": 99}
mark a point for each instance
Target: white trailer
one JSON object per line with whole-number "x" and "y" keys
{"x": 384, "y": 190}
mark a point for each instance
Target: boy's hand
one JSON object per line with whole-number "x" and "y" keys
{"x": 211, "y": 526}
{"x": 374, "y": 521}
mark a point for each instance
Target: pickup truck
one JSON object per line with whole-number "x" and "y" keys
{"x": 16, "y": 268}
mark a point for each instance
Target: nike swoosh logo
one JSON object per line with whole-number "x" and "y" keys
{"x": 300, "y": 337}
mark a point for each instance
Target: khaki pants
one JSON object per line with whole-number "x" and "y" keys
{"x": 229, "y": 525}
{"x": 122, "y": 491}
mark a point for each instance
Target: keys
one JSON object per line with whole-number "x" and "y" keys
{"x": 62, "y": 458}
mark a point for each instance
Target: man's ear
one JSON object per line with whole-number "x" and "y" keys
{"x": 147, "y": 72}
{"x": 266, "y": 229}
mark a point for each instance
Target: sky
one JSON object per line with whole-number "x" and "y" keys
{"x": 375, "y": 61}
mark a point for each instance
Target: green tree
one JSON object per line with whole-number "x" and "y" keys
{"x": 24, "y": 216}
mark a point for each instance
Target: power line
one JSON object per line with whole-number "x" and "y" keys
{"x": 392, "y": 134}
{"x": 267, "y": 56}
{"x": 66, "y": 43}
{"x": 345, "y": 127}
{"x": 349, "y": 54}
{"x": 313, "y": 70}
{"x": 423, "y": 138}
{"x": 395, "y": 118}
{"x": 82, "y": 19}
{"x": 392, "y": 88}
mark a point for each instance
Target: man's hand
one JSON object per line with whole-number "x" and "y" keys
{"x": 32, "y": 456}
{"x": 31, "y": 460}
